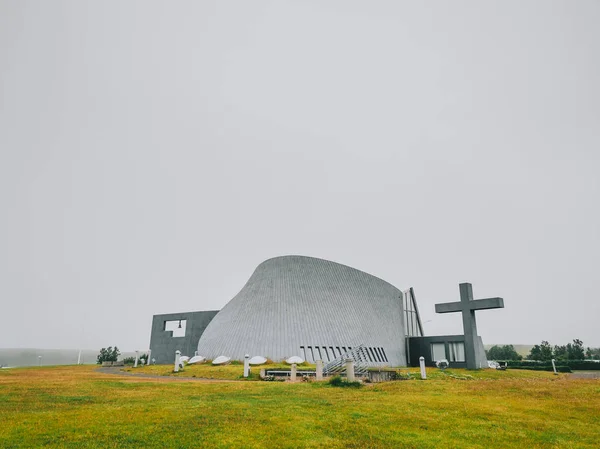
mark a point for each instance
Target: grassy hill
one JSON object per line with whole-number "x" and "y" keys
{"x": 79, "y": 407}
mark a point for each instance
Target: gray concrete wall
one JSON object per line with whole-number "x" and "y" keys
{"x": 293, "y": 305}
{"x": 421, "y": 346}
{"x": 162, "y": 343}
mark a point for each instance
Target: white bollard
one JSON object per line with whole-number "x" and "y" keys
{"x": 293, "y": 373}
{"x": 149, "y": 358}
{"x": 554, "y": 366}
{"x": 137, "y": 358}
{"x": 319, "y": 369}
{"x": 246, "y": 365}
{"x": 350, "y": 370}
{"x": 422, "y": 364}
{"x": 177, "y": 361}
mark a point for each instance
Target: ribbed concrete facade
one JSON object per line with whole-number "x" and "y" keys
{"x": 313, "y": 308}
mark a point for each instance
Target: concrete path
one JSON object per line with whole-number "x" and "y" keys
{"x": 585, "y": 375}
{"x": 117, "y": 371}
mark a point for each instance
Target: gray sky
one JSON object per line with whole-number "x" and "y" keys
{"x": 152, "y": 154}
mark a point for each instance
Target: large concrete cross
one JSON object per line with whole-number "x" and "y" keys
{"x": 467, "y": 305}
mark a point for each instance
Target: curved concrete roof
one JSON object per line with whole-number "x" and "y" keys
{"x": 296, "y": 305}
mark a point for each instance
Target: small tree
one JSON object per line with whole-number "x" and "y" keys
{"x": 575, "y": 351}
{"x": 592, "y": 353}
{"x": 131, "y": 360}
{"x": 561, "y": 352}
{"x": 109, "y": 354}
{"x": 570, "y": 351}
{"x": 542, "y": 352}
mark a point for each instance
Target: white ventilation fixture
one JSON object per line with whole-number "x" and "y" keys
{"x": 294, "y": 359}
{"x": 221, "y": 360}
{"x": 196, "y": 359}
{"x": 257, "y": 360}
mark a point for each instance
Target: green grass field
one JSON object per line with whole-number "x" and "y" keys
{"x": 77, "y": 407}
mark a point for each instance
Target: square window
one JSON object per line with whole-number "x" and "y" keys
{"x": 438, "y": 352}
{"x": 457, "y": 352}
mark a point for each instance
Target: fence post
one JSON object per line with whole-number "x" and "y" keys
{"x": 319, "y": 369}
{"x": 177, "y": 355}
{"x": 422, "y": 365}
{"x": 293, "y": 373}
{"x": 350, "y": 370}
{"x": 246, "y": 365}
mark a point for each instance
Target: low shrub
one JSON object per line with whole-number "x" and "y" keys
{"x": 337, "y": 381}
{"x": 274, "y": 379}
{"x": 397, "y": 375}
{"x": 587, "y": 365}
{"x": 559, "y": 368}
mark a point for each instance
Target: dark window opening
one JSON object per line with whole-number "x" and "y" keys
{"x": 374, "y": 354}
{"x": 384, "y": 355}
{"x": 364, "y": 354}
{"x": 377, "y": 355}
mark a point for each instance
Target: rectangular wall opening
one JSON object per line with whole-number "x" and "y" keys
{"x": 177, "y": 326}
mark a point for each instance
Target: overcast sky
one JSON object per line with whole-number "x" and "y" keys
{"x": 152, "y": 154}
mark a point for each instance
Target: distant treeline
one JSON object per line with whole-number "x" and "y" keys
{"x": 545, "y": 352}
{"x": 15, "y": 357}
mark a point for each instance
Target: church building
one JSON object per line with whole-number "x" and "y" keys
{"x": 319, "y": 310}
